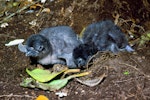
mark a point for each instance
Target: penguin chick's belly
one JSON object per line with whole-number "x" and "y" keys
{"x": 51, "y": 59}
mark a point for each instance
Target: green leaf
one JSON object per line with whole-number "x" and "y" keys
{"x": 126, "y": 73}
{"x": 60, "y": 83}
{"x": 28, "y": 83}
{"x": 15, "y": 4}
{"x": 148, "y": 35}
{"x": 42, "y": 75}
{"x": 52, "y": 86}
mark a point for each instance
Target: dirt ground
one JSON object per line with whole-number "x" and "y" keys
{"x": 78, "y": 13}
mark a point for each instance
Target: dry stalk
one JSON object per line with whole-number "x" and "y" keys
{"x": 18, "y": 11}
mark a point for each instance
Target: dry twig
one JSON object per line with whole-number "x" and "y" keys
{"x": 18, "y": 96}
{"x": 18, "y": 11}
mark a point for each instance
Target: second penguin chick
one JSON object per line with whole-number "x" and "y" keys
{"x": 104, "y": 36}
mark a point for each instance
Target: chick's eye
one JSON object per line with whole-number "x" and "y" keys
{"x": 80, "y": 60}
{"x": 40, "y": 48}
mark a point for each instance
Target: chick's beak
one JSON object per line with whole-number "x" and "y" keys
{"x": 32, "y": 53}
{"x": 129, "y": 48}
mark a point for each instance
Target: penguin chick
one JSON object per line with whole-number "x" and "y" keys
{"x": 53, "y": 45}
{"x": 104, "y": 36}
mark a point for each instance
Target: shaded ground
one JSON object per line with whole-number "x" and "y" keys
{"x": 78, "y": 14}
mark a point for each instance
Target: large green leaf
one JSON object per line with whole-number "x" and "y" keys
{"x": 52, "y": 85}
{"x": 60, "y": 83}
{"x": 42, "y": 75}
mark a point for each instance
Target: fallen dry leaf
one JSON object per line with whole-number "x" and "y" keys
{"x": 92, "y": 82}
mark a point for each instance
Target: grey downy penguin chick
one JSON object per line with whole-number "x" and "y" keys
{"x": 52, "y": 46}
{"x": 104, "y": 36}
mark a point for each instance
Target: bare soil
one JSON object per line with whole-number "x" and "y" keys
{"x": 78, "y": 14}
